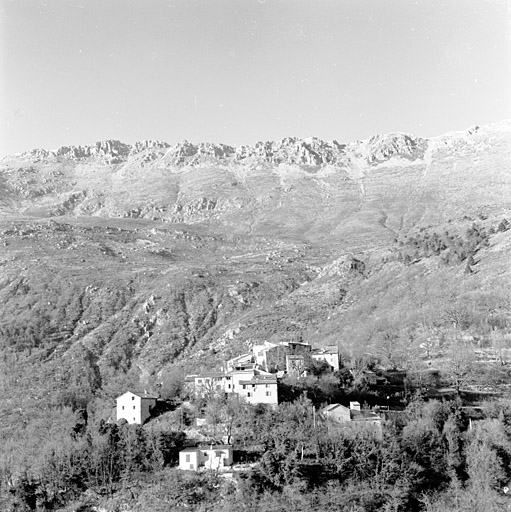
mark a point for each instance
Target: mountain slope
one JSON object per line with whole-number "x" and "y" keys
{"x": 119, "y": 262}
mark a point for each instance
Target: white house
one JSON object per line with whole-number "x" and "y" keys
{"x": 260, "y": 389}
{"x": 207, "y": 457}
{"x": 135, "y": 407}
{"x": 260, "y": 352}
{"x": 211, "y": 383}
{"x": 248, "y": 384}
{"x": 330, "y": 354}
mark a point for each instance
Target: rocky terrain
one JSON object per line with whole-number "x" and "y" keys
{"x": 121, "y": 262}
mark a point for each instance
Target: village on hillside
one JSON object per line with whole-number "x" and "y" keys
{"x": 256, "y": 378}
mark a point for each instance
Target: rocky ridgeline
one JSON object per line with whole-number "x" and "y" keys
{"x": 383, "y": 147}
{"x": 290, "y": 150}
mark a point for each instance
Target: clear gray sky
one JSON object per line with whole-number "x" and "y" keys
{"x": 239, "y": 71}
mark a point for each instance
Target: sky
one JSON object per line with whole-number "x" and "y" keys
{"x": 240, "y": 71}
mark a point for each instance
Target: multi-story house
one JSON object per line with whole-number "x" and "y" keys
{"x": 135, "y": 407}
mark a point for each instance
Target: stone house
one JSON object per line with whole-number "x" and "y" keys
{"x": 296, "y": 365}
{"x": 135, "y": 407}
{"x": 275, "y": 357}
{"x": 353, "y": 416}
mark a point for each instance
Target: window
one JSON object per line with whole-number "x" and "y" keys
{"x": 199, "y": 381}
{"x": 133, "y": 398}
{"x": 267, "y": 385}
{"x": 134, "y": 407}
{"x": 134, "y": 419}
{"x": 244, "y": 386}
{"x": 268, "y": 393}
{"x": 187, "y": 457}
{"x": 249, "y": 394}
{"x": 123, "y": 407}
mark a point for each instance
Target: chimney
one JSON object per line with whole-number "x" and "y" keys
{"x": 354, "y": 406}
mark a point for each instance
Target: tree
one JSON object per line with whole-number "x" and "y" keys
{"x": 486, "y": 474}
{"x": 460, "y": 357}
{"x": 234, "y": 415}
{"x": 213, "y": 413}
{"x": 171, "y": 383}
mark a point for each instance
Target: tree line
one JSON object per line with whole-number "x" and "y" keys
{"x": 431, "y": 457}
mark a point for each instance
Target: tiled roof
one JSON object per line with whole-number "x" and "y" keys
{"x": 325, "y": 350}
{"x": 207, "y": 447}
{"x": 363, "y": 415}
{"x": 332, "y": 407}
{"x": 260, "y": 379}
{"x": 214, "y": 447}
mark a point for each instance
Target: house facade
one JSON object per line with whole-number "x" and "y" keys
{"x": 205, "y": 457}
{"x": 135, "y": 408}
{"x": 329, "y": 354}
{"x": 211, "y": 383}
{"x": 260, "y": 353}
{"x": 255, "y": 386}
{"x": 276, "y": 357}
{"x": 353, "y": 416}
{"x": 260, "y": 389}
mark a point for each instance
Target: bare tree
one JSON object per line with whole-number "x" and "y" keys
{"x": 460, "y": 363}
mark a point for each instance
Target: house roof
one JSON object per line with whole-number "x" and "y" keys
{"x": 250, "y": 371}
{"x": 243, "y": 356}
{"x": 140, "y": 395}
{"x": 363, "y": 415}
{"x": 214, "y": 447}
{"x": 256, "y": 380}
{"x": 332, "y": 407}
{"x": 355, "y": 415}
{"x": 331, "y": 349}
{"x": 207, "y": 447}
{"x": 211, "y": 375}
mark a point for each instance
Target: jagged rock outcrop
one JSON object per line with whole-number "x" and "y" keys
{"x": 145, "y": 145}
{"x": 383, "y": 147}
{"x": 114, "y": 150}
{"x": 293, "y": 150}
